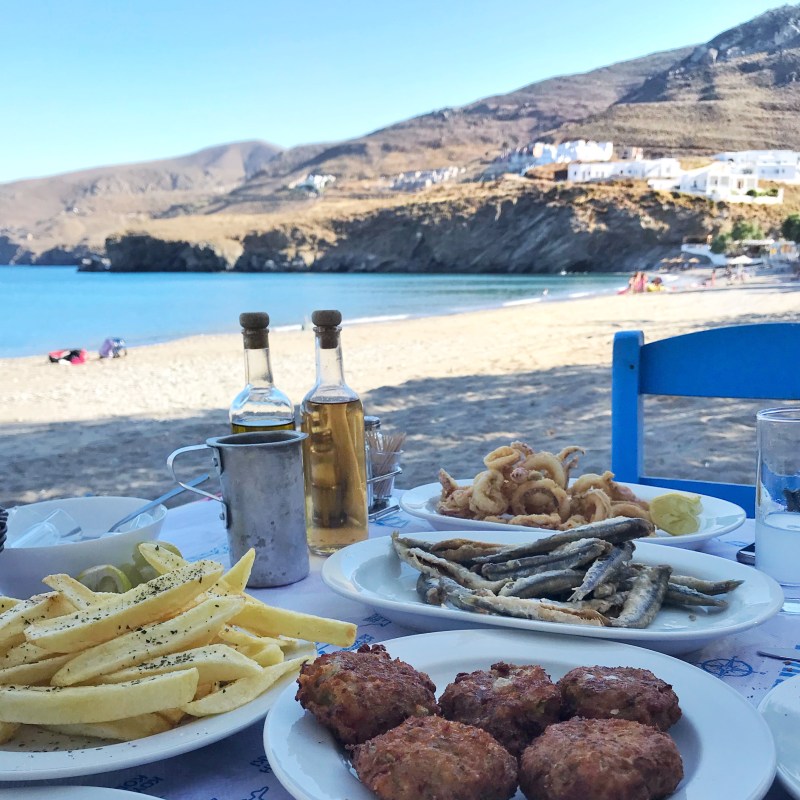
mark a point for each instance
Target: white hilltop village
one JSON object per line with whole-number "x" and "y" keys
{"x": 732, "y": 176}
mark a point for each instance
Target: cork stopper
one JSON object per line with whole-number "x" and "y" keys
{"x": 327, "y": 328}
{"x": 255, "y": 329}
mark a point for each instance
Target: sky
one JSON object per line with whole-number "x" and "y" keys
{"x": 87, "y": 83}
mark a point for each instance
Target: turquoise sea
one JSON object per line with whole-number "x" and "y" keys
{"x": 50, "y": 308}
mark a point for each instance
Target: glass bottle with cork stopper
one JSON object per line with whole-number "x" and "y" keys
{"x": 260, "y": 406}
{"x": 334, "y": 457}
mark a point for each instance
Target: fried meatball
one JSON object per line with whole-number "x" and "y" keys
{"x": 619, "y": 693}
{"x": 600, "y": 759}
{"x": 431, "y": 757}
{"x": 513, "y": 703}
{"x": 359, "y": 695}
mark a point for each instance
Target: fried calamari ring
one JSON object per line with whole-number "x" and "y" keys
{"x": 550, "y": 465}
{"x": 592, "y": 480}
{"x": 487, "y": 493}
{"x": 594, "y": 505}
{"x": 549, "y": 521}
{"x": 502, "y": 458}
{"x": 626, "y": 509}
{"x": 541, "y": 496}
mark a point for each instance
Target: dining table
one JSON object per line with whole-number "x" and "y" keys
{"x": 236, "y": 768}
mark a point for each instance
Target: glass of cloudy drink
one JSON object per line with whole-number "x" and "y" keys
{"x": 778, "y": 494}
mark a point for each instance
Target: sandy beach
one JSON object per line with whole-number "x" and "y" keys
{"x": 458, "y": 385}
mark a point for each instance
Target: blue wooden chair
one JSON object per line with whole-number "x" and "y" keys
{"x": 740, "y": 361}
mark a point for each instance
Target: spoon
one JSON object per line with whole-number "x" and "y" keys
{"x": 153, "y": 503}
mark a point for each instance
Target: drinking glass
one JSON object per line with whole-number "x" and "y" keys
{"x": 778, "y": 494}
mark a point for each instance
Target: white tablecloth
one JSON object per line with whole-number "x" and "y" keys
{"x": 237, "y": 769}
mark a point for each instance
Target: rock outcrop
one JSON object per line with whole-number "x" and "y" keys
{"x": 528, "y": 229}
{"x": 139, "y": 252}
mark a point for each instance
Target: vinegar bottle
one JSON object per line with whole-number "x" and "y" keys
{"x": 260, "y": 406}
{"x": 334, "y": 458}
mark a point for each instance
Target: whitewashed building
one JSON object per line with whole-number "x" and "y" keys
{"x": 641, "y": 169}
{"x": 720, "y": 181}
{"x": 540, "y": 154}
{"x": 782, "y": 166}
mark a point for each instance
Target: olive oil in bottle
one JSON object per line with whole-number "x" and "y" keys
{"x": 260, "y": 406}
{"x": 334, "y": 459}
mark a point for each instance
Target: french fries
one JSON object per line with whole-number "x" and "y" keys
{"x": 187, "y": 644}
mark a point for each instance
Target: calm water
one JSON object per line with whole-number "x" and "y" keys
{"x": 49, "y": 308}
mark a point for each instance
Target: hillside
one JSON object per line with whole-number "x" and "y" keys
{"x": 84, "y": 207}
{"x": 512, "y": 225}
{"x": 739, "y": 91}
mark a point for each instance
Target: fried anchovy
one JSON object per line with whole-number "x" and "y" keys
{"x": 434, "y": 567}
{"x": 430, "y": 590}
{"x": 544, "y": 584}
{"x": 706, "y": 587}
{"x": 603, "y": 570}
{"x": 484, "y": 602}
{"x": 615, "y": 530}
{"x": 567, "y": 556}
{"x": 604, "y": 604}
{"x": 464, "y": 551}
{"x": 645, "y": 598}
{"x": 605, "y": 590}
{"x": 680, "y": 595}
{"x": 698, "y": 584}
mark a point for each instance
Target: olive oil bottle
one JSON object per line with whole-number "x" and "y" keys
{"x": 260, "y": 406}
{"x": 334, "y": 457}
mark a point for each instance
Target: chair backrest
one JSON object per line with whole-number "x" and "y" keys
{"x": 739, "y": 361}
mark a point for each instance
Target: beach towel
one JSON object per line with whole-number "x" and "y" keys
{"x": 67, "y": 356}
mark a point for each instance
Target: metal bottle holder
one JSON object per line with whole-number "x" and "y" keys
{"x": 378, "y": 510}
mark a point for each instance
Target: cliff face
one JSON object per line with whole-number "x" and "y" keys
{"x": 517, "y": 229}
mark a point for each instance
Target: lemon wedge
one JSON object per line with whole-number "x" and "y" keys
{"x": 105, "y": 578}
{"x": 677, "y": 514}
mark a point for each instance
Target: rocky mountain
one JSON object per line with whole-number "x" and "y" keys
{"x": 82, "y": 208}
{"x": 741, "y": 90}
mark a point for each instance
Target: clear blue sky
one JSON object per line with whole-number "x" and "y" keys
{"x": 91, "y": 82}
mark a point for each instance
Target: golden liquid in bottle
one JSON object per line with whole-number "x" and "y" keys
{"x": 334, "y": 464}
{"x": 278, "y": 424}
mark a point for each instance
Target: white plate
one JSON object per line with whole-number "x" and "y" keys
{"x": 70, "y": 793}
{"x": 371, "y": 573}
{"x": 781, "y": 710}
{"x": 727, "y": 748}
{"x": 718, "y": 516}
{"x": 24, "y": 757}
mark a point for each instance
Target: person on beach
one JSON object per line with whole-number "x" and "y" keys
{"x": 640, "y": 282}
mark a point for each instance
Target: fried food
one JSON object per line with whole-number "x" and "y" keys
{"x": 363, "y": 694}
{"x": 524, "y": 487}
{"x": 135, "y": 664}
{"x": 600, "y": 759}
{"x": 532, "y": 579}
{"x": 430, "y": 757}
{"x": 513, "y": 703}
{"x": 619, "y": 693}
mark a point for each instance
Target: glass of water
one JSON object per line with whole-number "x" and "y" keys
{"x": 778, "y": 494}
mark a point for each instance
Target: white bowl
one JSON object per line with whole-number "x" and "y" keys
{"x": 22, "y": 568}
